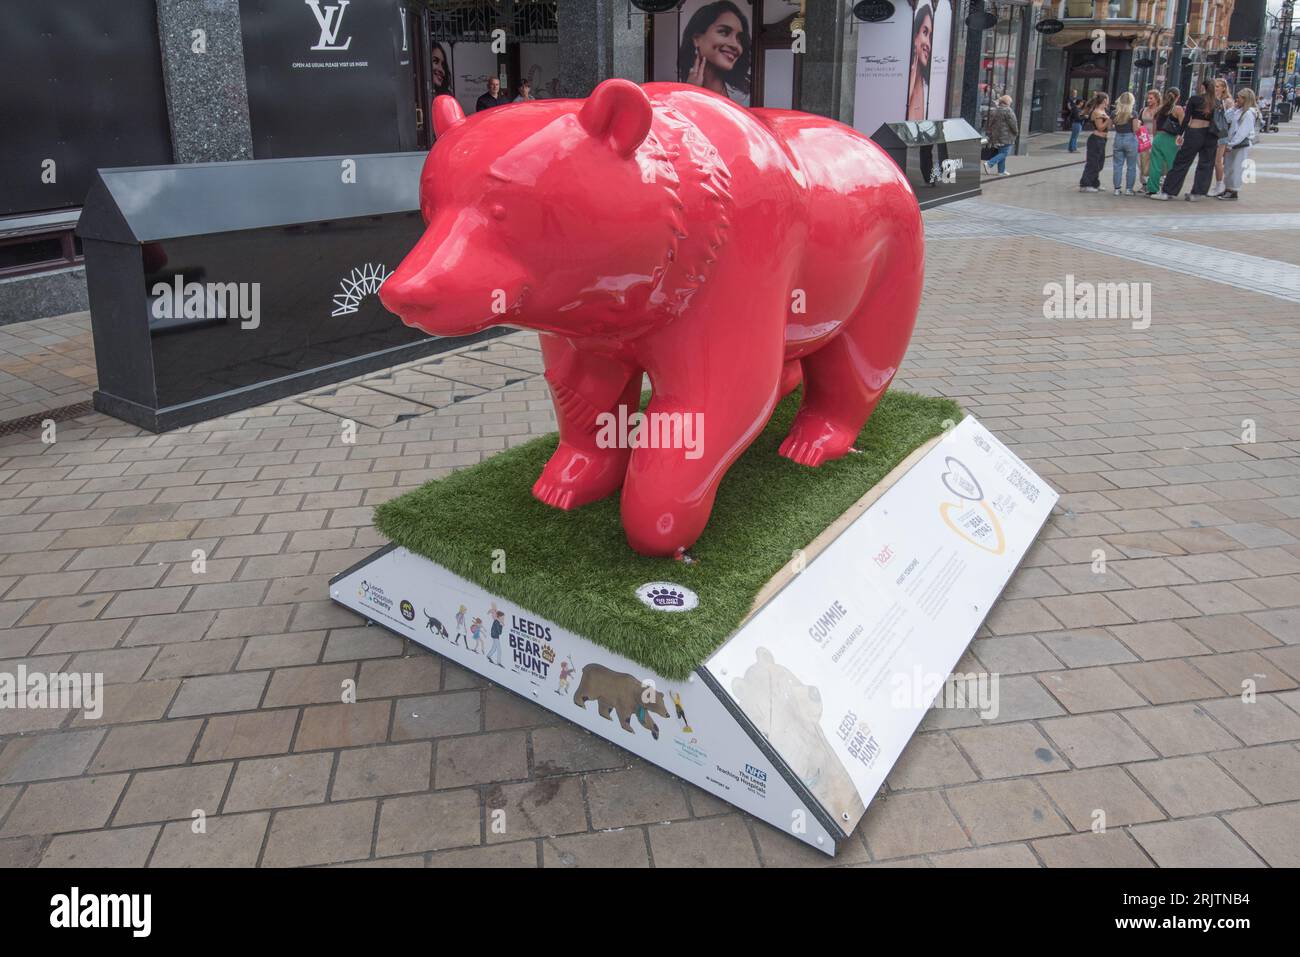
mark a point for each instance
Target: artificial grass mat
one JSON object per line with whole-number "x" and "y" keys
{"x": 576, "y": 569}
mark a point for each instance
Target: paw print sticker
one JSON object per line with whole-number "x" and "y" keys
{"x": 667, "y": 596}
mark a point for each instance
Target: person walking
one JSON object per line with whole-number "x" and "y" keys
{"x": 1148, "y": 117}
{"x": 1076, "y": 120}
{"x": 1095, "y": 115}
{"x": 1223, "y": 101}
{"x": 1165, "y": 145}
{"x": 1002, "y": 130}
{"x": 1246, "y": 124}
{"x": 1196, "y": 141}
{"x": 1124, "y": 154}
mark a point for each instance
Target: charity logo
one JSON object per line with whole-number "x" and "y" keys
{"x": 363, "y": 281}
{"x": 408, "y": 610}
{"x": 959, "y": 480}
{"x": 667, "y": 596}
{"x": 976, "y": 522}
{"x": 374, "y": 595}
{"x": 330, "y": 20}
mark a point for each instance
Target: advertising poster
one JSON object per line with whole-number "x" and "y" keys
{"x": 920, "y": 57}
{"x": 440, "y": 73}
{"x": 936, "y": 108}
{"x": 880, "y": 93}
{"x": 716, "y": 47}
{"x": 311, "y": 62}
{"x": 779, "y": 63}
{"x": 841, "y": 666}
{"x": 472, "y": 65}
{"x": 539, "y": 64}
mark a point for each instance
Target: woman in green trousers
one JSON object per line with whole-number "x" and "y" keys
{"x": 1165, "y": 145}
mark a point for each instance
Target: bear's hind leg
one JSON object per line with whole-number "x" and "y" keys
{"x": 843, "y": 380}
{"x": 585, "y": 467}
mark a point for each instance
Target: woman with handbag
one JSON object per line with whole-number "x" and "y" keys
{"x": 1148, "y": 117}
{"x": 1222, "y": 123}
{"x": 1197, "y": 142}
{"x": 1095, "y": 158}
{"x": 1168, "y": 119}
{"x": 1241, "y": 137}
{"x": 1125, "y": 151}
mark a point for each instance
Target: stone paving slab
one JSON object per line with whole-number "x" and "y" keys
{"x": 1146, "y": 650}
{"x": 1282, "y": 245}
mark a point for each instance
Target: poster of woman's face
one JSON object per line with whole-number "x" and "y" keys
{"x": 716, "y": 49}
{"x": 918, "y": 78}
{"x": 440, "y": 69}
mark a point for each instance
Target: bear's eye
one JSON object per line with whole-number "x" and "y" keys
{"x": 498, "y": 211}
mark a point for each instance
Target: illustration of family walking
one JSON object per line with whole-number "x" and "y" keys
{"x": 472, "y": 636}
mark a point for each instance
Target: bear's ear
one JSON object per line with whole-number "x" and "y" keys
{"x": 446, "y": 114}
{"x": 617, "y": 111}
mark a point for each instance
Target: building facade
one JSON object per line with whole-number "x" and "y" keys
{"x": 1115, "y": 46}
{"x": 155, "y": 82}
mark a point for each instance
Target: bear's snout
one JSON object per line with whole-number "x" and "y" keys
{"x": 453, "y": 282}
{"x": 398, "y": 294}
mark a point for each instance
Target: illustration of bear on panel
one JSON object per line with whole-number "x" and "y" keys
{"x": 729, "y": 253}
{"x": 621, "y": 693}
{"x": 788, "y": 713}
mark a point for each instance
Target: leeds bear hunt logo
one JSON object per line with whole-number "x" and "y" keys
{"x": 362, "y": 282}
{"x": 667, "y": 596}
{"x": 330, "y": 19}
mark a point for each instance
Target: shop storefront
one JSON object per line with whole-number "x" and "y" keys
{"x": 996, "y": 52}
{"x": 1001, "y": 56}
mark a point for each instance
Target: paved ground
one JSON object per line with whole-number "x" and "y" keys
{"x": 45, "y": 365}
{"x": 1121, "y": 690}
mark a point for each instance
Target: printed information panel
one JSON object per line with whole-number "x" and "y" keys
{"x": 840, "y": 667}
{"x": 679, "y": 725}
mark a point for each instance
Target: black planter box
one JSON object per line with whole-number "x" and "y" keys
{"x": 216, "y": 287}
{"x": 940, "y": 157}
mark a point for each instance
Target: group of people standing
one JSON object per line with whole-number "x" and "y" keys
{"x": 1162, "y": 139}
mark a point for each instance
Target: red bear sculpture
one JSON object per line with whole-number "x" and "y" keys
{"x": 728, "y": 253}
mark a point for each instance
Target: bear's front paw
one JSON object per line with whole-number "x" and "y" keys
{"x": 557, "y": 496}
{"x": 575, "y": 477}
{"x": 812, "y": 442}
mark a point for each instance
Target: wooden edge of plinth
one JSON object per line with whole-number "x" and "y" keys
{"x": 837, "y": 528}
